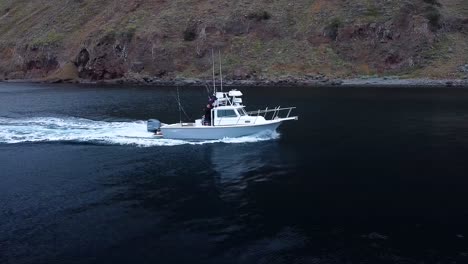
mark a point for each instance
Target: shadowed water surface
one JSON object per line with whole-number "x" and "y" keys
{"x": 367, "y": 175}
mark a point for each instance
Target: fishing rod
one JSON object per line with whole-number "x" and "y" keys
{"x": 181, "y": 108}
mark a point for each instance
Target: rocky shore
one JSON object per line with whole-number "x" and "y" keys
{"x": 289, "y": 81}
{"x": 406, "y": 82}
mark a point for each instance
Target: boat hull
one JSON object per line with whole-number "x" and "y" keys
{"x": 216, "y": 132}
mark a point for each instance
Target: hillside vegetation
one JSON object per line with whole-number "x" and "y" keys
{"x": 264, "y": 39}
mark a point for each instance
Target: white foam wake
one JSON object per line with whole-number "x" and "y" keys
{"x": 71, "y": 129}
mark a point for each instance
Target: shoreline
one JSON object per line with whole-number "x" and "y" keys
{"x": 287, "y": 82}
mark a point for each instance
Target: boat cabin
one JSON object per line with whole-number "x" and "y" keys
{"x": 230, "y": 115}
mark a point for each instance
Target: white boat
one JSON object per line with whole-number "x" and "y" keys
{"x": 226, "y": 119}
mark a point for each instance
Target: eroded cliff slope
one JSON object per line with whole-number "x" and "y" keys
{"x": 111, "y": 39}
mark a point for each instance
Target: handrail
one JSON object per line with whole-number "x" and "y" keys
{"x": 258, "y": 113}
{"x": 276, "y": 112}
{"x": 255, "y": 121}
{"x": 270, "y": 110}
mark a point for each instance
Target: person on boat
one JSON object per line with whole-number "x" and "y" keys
{"x": 207, "y": 111}
{"x": 207, "y": 116}
{"x": 212, "y": 100}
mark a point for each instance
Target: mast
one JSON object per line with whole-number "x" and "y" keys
{"x": 214, "y": 81}
{"x": 220, "y": 70}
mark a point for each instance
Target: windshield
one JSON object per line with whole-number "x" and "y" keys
{"x": 241, "y": 111}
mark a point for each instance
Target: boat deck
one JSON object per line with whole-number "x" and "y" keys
{"x": 182, "y": 125}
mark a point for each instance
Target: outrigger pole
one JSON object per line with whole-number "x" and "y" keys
{"x": 220, "y": 70}
{"x": 214, "y": 81}
{"x": 180, "y": 106}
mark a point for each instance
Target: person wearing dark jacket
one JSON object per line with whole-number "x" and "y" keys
{"x": 207, "y": 116}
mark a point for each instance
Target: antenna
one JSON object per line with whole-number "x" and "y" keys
{"x": 220, "y": 70}
{"x": 214, "y": 81}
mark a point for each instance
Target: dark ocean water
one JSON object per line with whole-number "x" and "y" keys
{"x": 367, "y": 175}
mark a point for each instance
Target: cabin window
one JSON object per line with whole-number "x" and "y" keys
{"x": 227, "y": 113}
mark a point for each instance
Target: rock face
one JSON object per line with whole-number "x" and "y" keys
{"x": 463, "y": 68}
{"x": 388, "y": 46}
{"x": 106, "y": 59}
{"x": 165, "y": 40}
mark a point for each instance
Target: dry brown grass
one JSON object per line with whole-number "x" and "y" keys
{"x": 448, "y": 56}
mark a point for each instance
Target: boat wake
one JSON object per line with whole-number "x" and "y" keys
{"x": 71, "y": 129}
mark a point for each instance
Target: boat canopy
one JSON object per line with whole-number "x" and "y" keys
{"x": 230, "y": 98}
{"x": 235, "y": 93}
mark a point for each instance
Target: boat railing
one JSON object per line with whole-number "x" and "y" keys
{"x": 275, "y": 112}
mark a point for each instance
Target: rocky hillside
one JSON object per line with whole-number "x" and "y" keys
{"x": 264, "y": 39}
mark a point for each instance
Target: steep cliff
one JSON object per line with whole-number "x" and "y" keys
{"x": 265, "y": 39}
